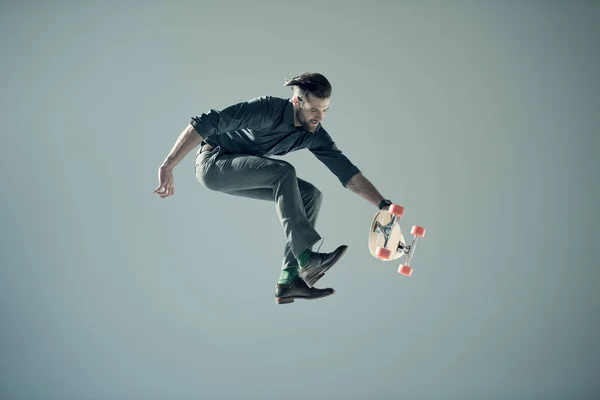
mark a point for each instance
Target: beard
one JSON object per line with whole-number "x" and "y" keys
{"x": 306, "y": 125}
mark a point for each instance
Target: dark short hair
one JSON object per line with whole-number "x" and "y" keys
{"x": 310, "y": 82}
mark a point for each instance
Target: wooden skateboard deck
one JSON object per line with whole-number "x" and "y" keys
{"x": 386, "y": 241}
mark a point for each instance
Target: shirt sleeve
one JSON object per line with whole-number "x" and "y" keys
{"x": 326, "y": 151}
{"x": 253, "y": 114}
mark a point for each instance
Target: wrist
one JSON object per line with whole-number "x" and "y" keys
{"x": 384, "y": 203}
{"x": 166, "y": 166}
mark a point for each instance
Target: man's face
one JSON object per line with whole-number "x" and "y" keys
{"x": 311, "y": 112}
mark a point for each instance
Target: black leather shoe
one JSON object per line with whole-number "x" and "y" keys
{"x": 319, "y": 263}
{"x": 299, "y": 290}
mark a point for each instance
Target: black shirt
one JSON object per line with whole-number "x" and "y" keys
{"x": 264, "y": 126}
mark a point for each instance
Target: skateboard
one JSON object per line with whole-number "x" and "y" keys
{"x": 386, "y": 241}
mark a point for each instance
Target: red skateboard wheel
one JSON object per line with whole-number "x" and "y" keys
{"x": 418, "y": 231}
{"x": 396, "y": 210}
{"x": 405, "y": 270}
{"x": 383, "y": 253}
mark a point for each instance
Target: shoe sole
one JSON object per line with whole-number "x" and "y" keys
{"x": 313, "y": 279}
{"x": 288, "y": 300}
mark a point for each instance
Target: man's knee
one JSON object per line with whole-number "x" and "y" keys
{"x": 283, "y": 168}
{"x": 317, "y": 195}
{"x": 311, "y": 192}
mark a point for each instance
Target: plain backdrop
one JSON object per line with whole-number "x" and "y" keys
{"x": 479, "y": 117}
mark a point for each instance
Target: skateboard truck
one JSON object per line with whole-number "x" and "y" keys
{"x": 386, "y": 231}
{"x": 391, "y": 230}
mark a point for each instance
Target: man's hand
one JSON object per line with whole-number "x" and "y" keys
{"x": 187, "y": 140}
{"x": 166, "y": 183}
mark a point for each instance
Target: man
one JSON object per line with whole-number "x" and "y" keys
{"x": 234, "y": 158}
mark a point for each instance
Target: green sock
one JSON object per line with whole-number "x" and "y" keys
{"x": 288, "y": 275}
{"x": 304, "y": 257}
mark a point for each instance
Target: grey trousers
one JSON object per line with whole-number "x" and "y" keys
{"x": 297, "y": 201}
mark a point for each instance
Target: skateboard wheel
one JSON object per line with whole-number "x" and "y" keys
{"x": 418, "y": 231}
{"x": 383, "y": 253}
{"x": 396, "y": 210}
{"x": 405, "y": 270}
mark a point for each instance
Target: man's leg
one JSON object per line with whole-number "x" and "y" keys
{"x": 312, "y": 198}
{"x": 230, "y": 173}
{"x": 290, "y": 286}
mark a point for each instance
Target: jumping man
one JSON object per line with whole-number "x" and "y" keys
{"x": 236, "y": 143}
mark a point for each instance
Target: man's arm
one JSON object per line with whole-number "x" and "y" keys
{"x": 186, "y": 142}
{"x": 250, "y": 114}
{"x": 360, "y": 185}
{"x": 253, "y": 114}
{"x": 325, "y": 149}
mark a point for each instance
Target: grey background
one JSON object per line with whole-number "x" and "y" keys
{"x": 481, "y": 118}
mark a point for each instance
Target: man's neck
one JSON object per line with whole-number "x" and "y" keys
{"x": 296, "y": 122}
